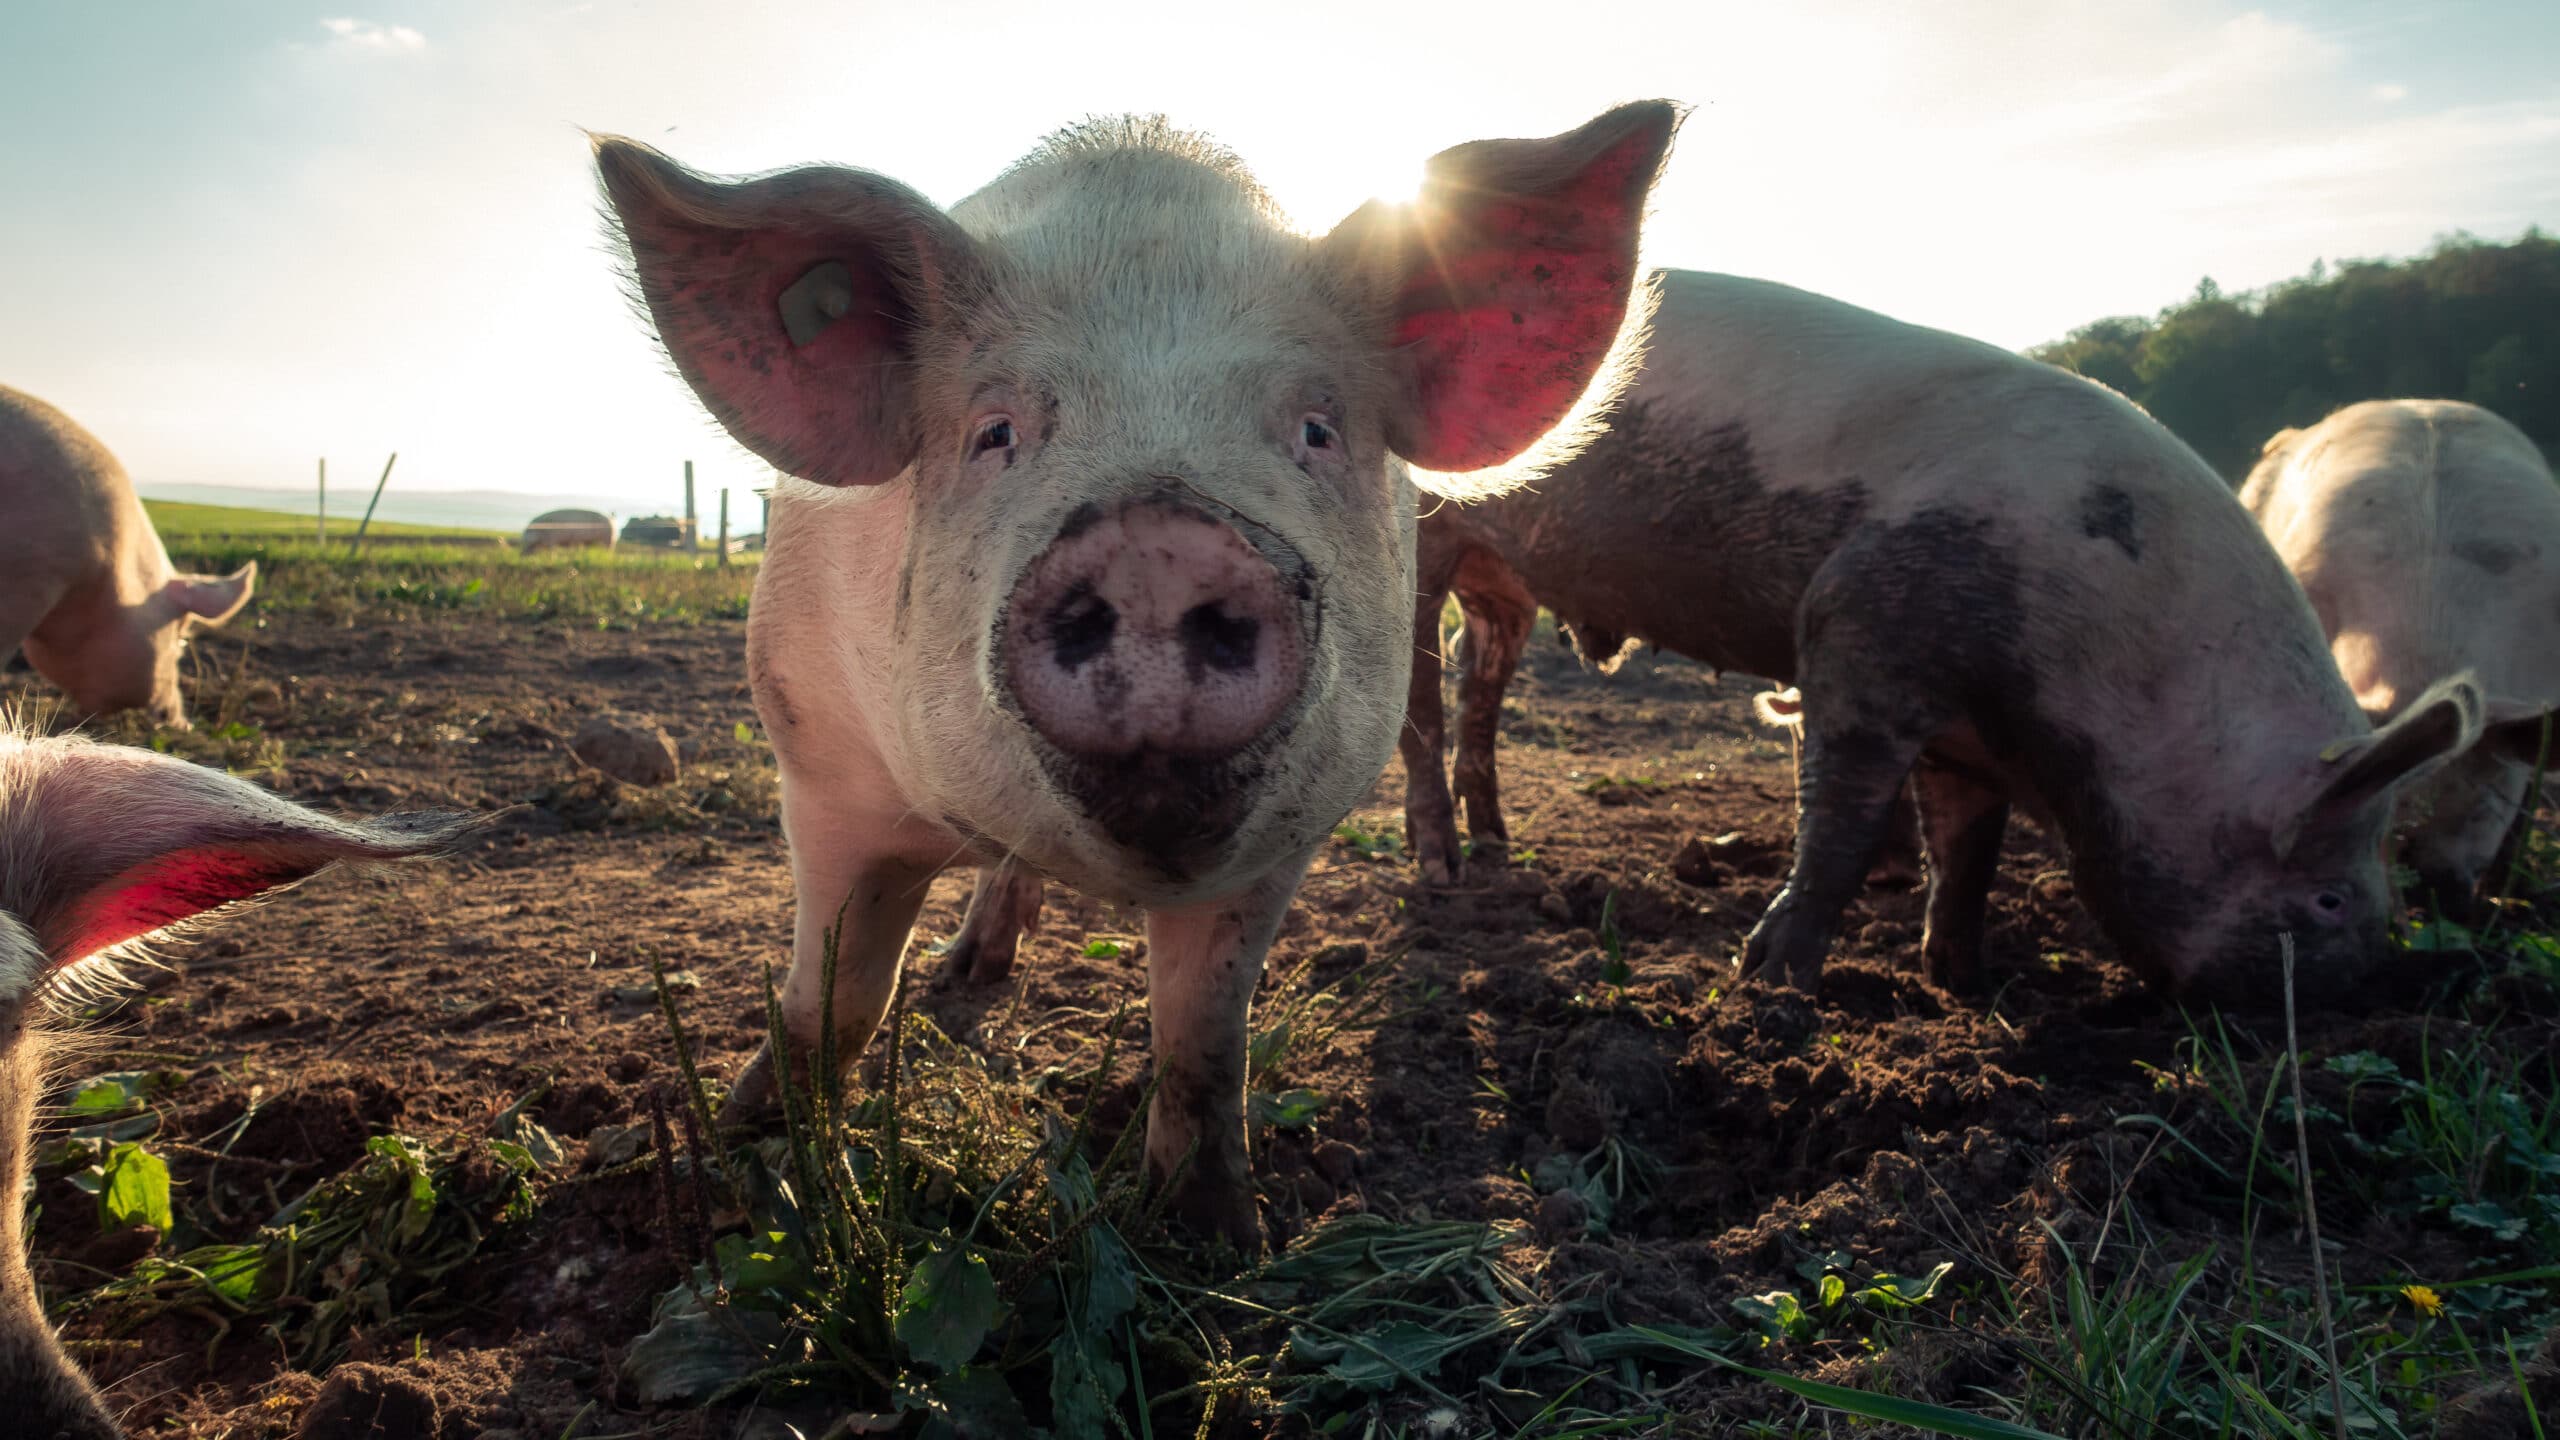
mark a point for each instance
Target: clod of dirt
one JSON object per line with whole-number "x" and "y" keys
{"x": 630, "y": 748}
{"x": 1555, "y": 907}
{"x": 1335, "y": 1160}
{"x": 370, "y": 1402}
{"x": 1563, "y": 1215}
{"x": 1696, "y": 864}
{"x": 1579, "y": 1114}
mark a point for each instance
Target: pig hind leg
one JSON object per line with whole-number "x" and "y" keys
{"x": 1003, "y": 907}
{"x": 1872, "y": 703}
{"x": 1962, "y": 822}
{"x": 1851, "y": 775}
{"x": 863, "y": 903}
{"x": 1430, "y": 815}
{"x": 1898, "y": 865}
{"x": 1500, "y": 613}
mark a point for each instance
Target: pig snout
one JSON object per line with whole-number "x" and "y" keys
{"x": 1154, "y": 628}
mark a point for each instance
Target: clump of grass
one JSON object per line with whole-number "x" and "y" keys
{"x": 965, "y": 1247}
{"x": 370, "y": 1247}
{"x": 1369, "y": 840}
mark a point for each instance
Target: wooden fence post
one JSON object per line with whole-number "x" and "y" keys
{"x": 376, "y": 500}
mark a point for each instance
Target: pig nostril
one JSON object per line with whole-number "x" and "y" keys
{"x": 1223, "y": 642}
{"x": 1080, "y": 627}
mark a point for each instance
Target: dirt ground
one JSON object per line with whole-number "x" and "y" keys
{"x": 1889, "y": 1120}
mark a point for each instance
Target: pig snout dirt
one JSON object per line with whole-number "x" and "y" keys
{"x": 1154, "y": 628}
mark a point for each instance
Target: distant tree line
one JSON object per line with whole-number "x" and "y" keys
{"x": 2470, "y": 320}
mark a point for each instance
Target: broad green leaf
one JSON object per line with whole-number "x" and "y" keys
{"x": 133, "y": 1189}
{"x": 1778, "y": 1314}
{"x": 1393, "y": 1355}
{"x": 1085, "y": 1385}
{"x": 2363, "y": 1066}
{"x": 974, "y": 1404}
{"x": 118, "y": 1091}
{"x": 757, "y": 1265}
{"x": 947, "y": 1309}
{"x": 691, "y": 1354}
{"x": 1101, "y": 950}
{"x": 1288, "y": 1110}
{"x": 2489, "y": 1215}
{"x": 420, "y": 1208}
{"x": 1902, "y": 1292}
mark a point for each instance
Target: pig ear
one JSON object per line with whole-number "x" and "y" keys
{"x": 2357, "y": 772}
{"x": 1509, "y": 279}
{"x": 212, "y": 600}
{"x": 790, "y": 302}
{"x": 119, "y": 843}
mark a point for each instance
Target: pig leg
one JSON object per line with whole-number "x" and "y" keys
{"x": 1962, "y": 823}
{"x": 1500, "y": 613}
{"x": 1003, "y": 908}
{"x": 1850, "y": 778}
{"x": 1870, "y": 707}
{"x": 1898, "y": 865}
{"x": 839, "y": 876}
{"x": 1430, "y": 816}
{"x": 1202, "y": 966}
{"x": 43, "y": 1390}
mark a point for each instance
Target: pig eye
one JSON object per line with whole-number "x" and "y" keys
{"x": 994, "y": 433}
{"x": 1317, "y": 435}
{"x": 2330, "y": 904}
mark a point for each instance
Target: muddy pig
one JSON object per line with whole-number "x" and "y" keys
{"x": 2427, "y": 534}
{"x": 1997, "y": 580}
{"x": 1097, "y": 551}
{"x": 101, "y": 847}
{"x": 85, "y": 585}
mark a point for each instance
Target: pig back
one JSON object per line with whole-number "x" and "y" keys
{"x": 2427, "y": 534}
{"x": 71, "y": 510}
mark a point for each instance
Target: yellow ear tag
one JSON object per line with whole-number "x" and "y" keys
{"x": 2336, "y": 750}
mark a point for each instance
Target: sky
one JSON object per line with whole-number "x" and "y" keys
{"x": 237, "y": 237}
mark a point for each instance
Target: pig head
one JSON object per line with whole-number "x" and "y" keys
{"x": 1100, "y": 546}
{"x": 100, "y": 847}
{"x": 86, "y": 588}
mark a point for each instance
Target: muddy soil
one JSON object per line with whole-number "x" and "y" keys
{"x": 1887, "y": 1119}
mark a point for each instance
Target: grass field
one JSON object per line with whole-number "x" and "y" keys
{"x": 176, "y": 520}
{"x": 413, "y": 580}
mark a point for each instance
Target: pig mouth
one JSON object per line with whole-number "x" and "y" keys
{"x": 1178, "y": 813}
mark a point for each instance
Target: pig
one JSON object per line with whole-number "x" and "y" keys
{"x": 86, "y": 588}
{"x": 1094, "y": 547}
{"x": 101, "y": 848}
{"x": 1996, "y": 579}
{"x": 2427, "y": 534}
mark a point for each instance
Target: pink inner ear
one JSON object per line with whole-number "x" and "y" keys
{"x": 827, "y": 410}
{"x": 168, "y": 889}
{"x": 1514, "y": 307}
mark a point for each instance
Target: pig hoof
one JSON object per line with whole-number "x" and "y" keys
{"x": 1494, "y": 853}
{"x": 752, "y": 1100}
{"x": 1959, "y": 974}
{"x": 1232, "y": 1219}
{"x": 969, "y": 963}
{"x": 1761, "y": 965}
